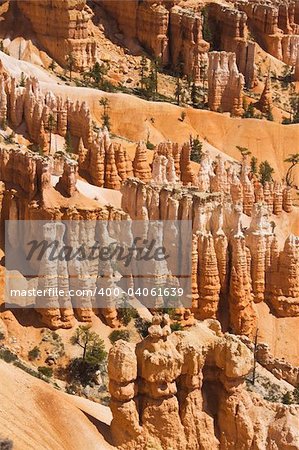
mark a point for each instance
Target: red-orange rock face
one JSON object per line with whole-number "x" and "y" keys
{"x": 225, "y": 83}
{"x": 61, "y": 27}
{"x": 168, "y": 32}
{"x": 158, "y": 384}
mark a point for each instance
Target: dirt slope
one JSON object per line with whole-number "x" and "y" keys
{"x": 36, "y": 416}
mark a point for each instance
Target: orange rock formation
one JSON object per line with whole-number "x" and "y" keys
{"x": 62, "y": 29}
{"x": 225, "y": 83}
{"x": 157, "y": 385}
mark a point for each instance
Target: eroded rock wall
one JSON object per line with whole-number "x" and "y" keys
{"x": 159, "y": 384}
{"x": 171, "y": 33}
{"x": 62, "y": 28}
{"x": 225, "y": 83}
{"x": 230, "y": 33}
{"x": 228, "y": 261}
{"x": 275, "y": 26}
{"x": 104, "y": 163}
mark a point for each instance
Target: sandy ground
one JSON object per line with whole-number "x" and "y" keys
{"x": 102, "y": 195}
{"x": 15, "y": 67}
{"x": 36, "y": 416}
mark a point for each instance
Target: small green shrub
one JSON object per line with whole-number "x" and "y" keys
{"x": 55, "y": 336}
{"x": 126, "y": 313}
{"x": 287, "y": 398}
{"x": 296, "y": 395}
{"x": 46, "y": 371}
{"x": 7, "y": 355}
{"x": 176, "y": 326}
{"x": 150, "y": 146}
{"x": 142, "y": 326}
{"x": 34, "y": 353}
{"x": 182, "y": 116}
{"x": 119, "y": 334}
{"x": 10, "y": 139}
{"x": 28, "y": 370}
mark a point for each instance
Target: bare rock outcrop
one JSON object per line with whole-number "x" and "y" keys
{"x": 104, "y": 163}
{"x": 231, "y": 34}
{"x": 169, "y": 32}
{"x": 70, "y": 35}
{"x": 208, "y": 278}
{"x": 265, "y": 103}
{"x": 283, "y": 289}
{"x": 275, "y": 26}
{"x": 158, "y": 384}
{"x": 141, "y": 166}
{"x": 68, "y": 180}
{"x": 245, "y": 254}
{"x": 225, "y": 83}
{"x": 280, "y": 368}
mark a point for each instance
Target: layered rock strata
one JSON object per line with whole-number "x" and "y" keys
{"x": 283, "y": 279}
{"x": 231, "y": 35}
{"x": 226, "y": 258}
{"x": 275, "y": 26}
{"x": 172, "y": 165}
{"x": 170, "y": 33}
{"x": 62, "y": 28}
{"x": 62, "y": 273}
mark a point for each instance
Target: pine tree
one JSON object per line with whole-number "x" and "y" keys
{"x": 52, "y": 66}
{"x": 178, "y": 90}
{"x": 195, "y": 95}
{"x": 243, "y": 150}
{"x": 270, "y": 116}
{"x": 287, "y": 398}
{"x": 93, "y": 348}
{"x": 253, "y": 165}
{"x": 151, "y": 82}
{"x": 143, "y": 72}
{"x": 294, "y": 103}
{"x": 98, "y": 73}
{"x": 70, "y": 62}
{"x": 196, "y": 149}
{"x": 68, "y": 147}
{"x": 265, "y": 172}
{"x": 292, "y": 159}
{"x": 249, "y": 112}
{"x": 22, "y": 80}
{"x": 105, "y": 116}
{"x": 51, "y": 124}
{"x": 296, "y": 394}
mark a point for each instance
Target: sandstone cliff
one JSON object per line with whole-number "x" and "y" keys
{"x": 225, "y": 83}
{"x": 62, "y": 28}
{"x": 275, "y": 26}
{"x": 171, "y": 380}
{"x": 170, "y": 33}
